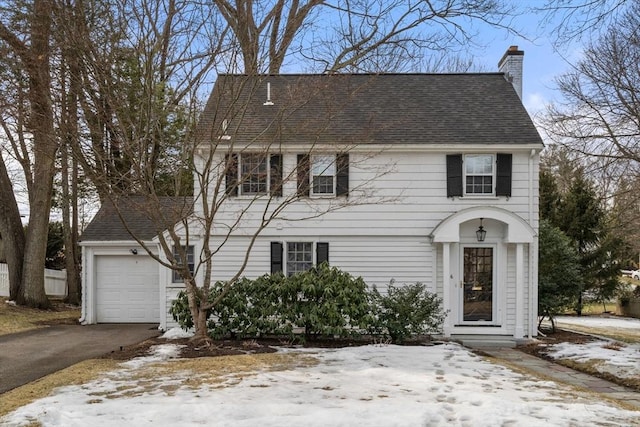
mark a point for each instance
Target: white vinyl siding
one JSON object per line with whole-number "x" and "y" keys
{"x": 394, "y": 194}
{"x": 396, "y": 199}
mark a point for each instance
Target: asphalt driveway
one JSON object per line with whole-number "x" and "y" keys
{"x": 27, "y": 356}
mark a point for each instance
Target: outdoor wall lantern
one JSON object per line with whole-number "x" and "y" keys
{"x": 481, "y": 233}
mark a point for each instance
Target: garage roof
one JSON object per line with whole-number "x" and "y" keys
{"x": 140, "y": 216}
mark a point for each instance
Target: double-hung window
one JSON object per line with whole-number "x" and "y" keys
{"x": 299, "y": 257}
{"x": 253, "y": 173}
{"x": 479, "y": 173}
{"x": 296, "y": 257}
{"x": 323, "y": 171}
{"x": 323, "y": 175}
{"x": 189, "y": 251}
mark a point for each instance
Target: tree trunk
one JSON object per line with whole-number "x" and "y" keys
{"x": 70, "y": 205}
{"x": 44, "y": 149}
{"x": 69, "y": 170}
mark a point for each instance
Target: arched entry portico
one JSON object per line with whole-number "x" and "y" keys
{"x": 487, "y": 287}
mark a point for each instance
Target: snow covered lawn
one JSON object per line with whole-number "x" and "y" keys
{"x": 616, "y": 358}
{"x": 601, "y": 324}
{"x": 442, "y": 385}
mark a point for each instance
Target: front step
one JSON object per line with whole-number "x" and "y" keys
{"x": 485, "y": 341}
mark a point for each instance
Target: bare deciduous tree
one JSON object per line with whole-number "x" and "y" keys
{"x": 32, "y": 51}
{"x": 353, "y": 35}
{"x": 600, "y": 114}
{"x": 573, "y": 19}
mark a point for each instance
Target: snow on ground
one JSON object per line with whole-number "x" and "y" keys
{"x": 625, "y": 323}
{"x": 618, "y": 359}
{"x": 176, "y": 333}
{"x": 444, "y": 385}
{"x": 621, "y": 360}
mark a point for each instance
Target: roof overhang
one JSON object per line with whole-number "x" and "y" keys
{"x": 517, "y": 229}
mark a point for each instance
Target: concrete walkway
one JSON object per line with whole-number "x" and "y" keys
{"x": 27, "y": 356}
{"x": 562, "y": 374}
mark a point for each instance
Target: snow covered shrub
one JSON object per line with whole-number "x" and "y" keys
{"x": 407, "y": 311}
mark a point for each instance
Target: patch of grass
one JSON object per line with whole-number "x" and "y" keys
{"x": 18, "y": 319}
{"x": 596, "y": 308}
{"x": 216, "y": 372}
{"x": 614, "y": 345}
{"x": 618, "y": 334}
{"x": 79, "y": 373}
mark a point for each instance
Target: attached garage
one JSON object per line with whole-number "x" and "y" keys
{"x": 127, "y": 289}
{"x": 120, "y": 280}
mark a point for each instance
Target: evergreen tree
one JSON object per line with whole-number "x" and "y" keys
{"x": 583, "y": 219}
{"x": 558, "y": 272}
{"x": 549, "y": 198}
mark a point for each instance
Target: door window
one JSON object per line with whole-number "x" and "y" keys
{"x": 477, "y": 299}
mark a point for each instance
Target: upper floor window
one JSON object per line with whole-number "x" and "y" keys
{"x": 189, "y": 251}
{"x": 479, "y": 172}
{"x": 323, "y": 171}
{"x": 323, "y": 175}
{"x": 253, "y": 173}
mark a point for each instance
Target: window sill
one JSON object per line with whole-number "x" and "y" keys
{"x": 251, "y": 196}
{"x": 479, "y": 197}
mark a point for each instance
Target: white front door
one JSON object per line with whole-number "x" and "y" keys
{"x": 477, "y": 295}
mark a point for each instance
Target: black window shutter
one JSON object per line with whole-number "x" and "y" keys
{"x": 322, "y": 252}
{"x": 304, "y": 169}
{"x": 454, "y": 175}
{"x": 503, "y": 174}
{"x": 275, "y": 184}
{"x": 276, "y": 257}
{"x": 231, "y": 176}
{"x": 342, "y": 174}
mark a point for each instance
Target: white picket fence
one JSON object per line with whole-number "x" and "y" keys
{"x": 55, "y": 282}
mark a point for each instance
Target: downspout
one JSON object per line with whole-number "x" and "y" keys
{"x": 83, "y": 281}
{"x": 532, "y": 321}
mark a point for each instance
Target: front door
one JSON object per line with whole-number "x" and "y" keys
{"x": 478, "y": 299}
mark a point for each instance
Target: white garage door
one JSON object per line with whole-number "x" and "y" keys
{"x": 127, "y": 289}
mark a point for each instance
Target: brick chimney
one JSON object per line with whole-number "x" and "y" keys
{"x": 511, "y": 66}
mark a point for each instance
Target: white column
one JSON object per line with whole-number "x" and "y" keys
{"x": 520, "y": 291}
{"x": 446, "y": 288}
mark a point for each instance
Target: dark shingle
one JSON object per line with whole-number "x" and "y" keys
{"x": 145, "y": 219}
{"x": 474, "y": 108}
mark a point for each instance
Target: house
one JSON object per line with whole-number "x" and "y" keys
{"x": 428, "y": 178}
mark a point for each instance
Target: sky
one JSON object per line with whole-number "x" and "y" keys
{"x": 542, "y": 62}
{"x": 375, "y": 385}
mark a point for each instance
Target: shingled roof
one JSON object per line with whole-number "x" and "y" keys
{"x": 141, "y": 220}
{"x": 470, "y": 108}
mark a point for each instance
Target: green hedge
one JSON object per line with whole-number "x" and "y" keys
{"x": 322, "y": 302}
